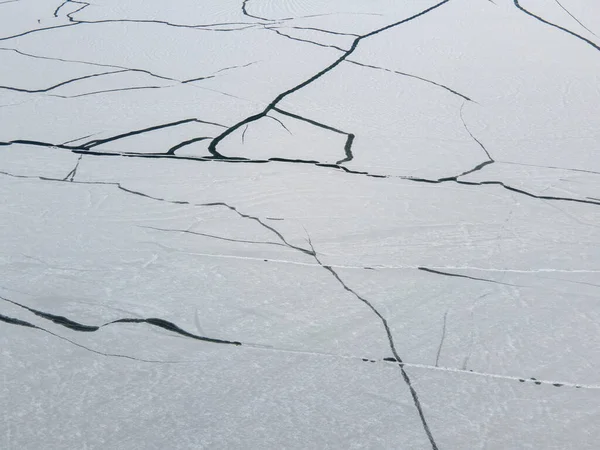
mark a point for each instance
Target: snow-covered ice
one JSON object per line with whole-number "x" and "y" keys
{"x": 300, "y": 224}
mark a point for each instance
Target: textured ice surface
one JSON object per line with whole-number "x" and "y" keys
{"x": 300, "y": 224}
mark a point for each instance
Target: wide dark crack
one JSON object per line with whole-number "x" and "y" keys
{"x": 349, "y": 136}
{"x": 457, "y": 275}
{"x": 22, "y": 323}
{"x": 214, "y": 236}
{"x": 156, "y": 322}
{"x": 89, "y": 148}
{"x": 246, "y": 13}
{"x": 279, "y": 236}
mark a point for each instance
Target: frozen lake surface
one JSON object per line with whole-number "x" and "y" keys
{"x": 300, "y": 224}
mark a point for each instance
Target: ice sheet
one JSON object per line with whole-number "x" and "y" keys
{"x": 300, "y": 224}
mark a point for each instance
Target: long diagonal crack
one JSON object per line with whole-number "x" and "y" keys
{"x": 574, "y": 18}
{"x": 213, "y": 236}
{"x": 443, "y": 86}
{"x": 212, "y": 148}
{"x": 172, "y": 327}
{"x": 480, "y": 166}
{"x": 97, "y": 142}
{"x": 311, "y": 252}
{"x": 558, "y": 27}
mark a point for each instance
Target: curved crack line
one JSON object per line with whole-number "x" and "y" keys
{"x": 14, "y": 321}
{"x": 586, "y": 40}
{"x": 276, "y": 120}
{"x": 157, "y": 322}
{"x": 173, "y": 149}
{"x": 172, "y": 327}
{"x": 483, "y": 164}
{"x": 246, "y": 13}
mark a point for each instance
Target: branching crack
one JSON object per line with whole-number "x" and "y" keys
{"x": 450, "y": 274}
{"x": 215, "y": 142}
{"x": 71, "y": 175}
{"x": 574, "y": 18}
{"x": 558, "y": 27}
